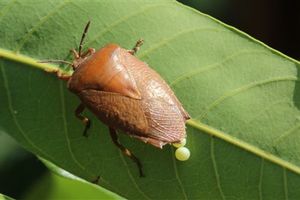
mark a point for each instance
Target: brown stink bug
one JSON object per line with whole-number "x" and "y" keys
{"x": 125, "y": 94}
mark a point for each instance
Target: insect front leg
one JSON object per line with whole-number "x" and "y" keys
{"x": 75, "y": 53}
{"x": 115, "y": 140}
{"x": 136, "y": 47}
{"x": 89, "y": 52}
{"x": 85, "y": 120}
{"x": 59, "y": 74}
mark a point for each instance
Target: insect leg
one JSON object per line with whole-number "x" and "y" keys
{"x": 82, "y": 118}
{"x": 96, "y": 180}
{"x": 115, "y": 140}
{"x": 136, "y": 47}
{"x": 62, "y": 76}
{"x": 58, "y": 73}
{"x": 89, "y": 52}
{"x": 75, "y": 53}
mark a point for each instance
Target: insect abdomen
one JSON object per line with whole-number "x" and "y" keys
{"x": 116, "y": 110}
{"x": 165, "y": 115}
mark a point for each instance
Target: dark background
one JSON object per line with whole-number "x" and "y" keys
{"x": 275, "y": 23}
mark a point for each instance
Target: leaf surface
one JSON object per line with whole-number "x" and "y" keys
{"x": 53, "y": 186}
{"x": 243, "y": 98}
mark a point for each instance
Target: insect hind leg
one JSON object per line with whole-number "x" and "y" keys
{"x": 86, "y": 121}
{"x": 115, "y": 140}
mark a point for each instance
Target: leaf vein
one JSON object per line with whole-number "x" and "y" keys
{"x": 265, "y": 109}
{"x": 285, "y": 184}
{"x": 165, "y": 41}
{"x": 27, "y": 36}
{"x": 261, "y": 171}
{"x": 131, "y": 177}
{"x": 62, "y": 98}
{"x": 215, "y": 167}
{"x": 286, "y": 134}
{"x": 120, "y": 20}
{"x": 15, "y": 120}
{"x": 6, "y": 8}
{"x": 244, "y": 145}
{"x": 241, "y": 89}
{"x": 177, "y": 175}
{"x": 212, "y": 66}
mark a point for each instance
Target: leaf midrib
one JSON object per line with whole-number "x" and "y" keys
{"x": 192, "y": 122}
{"x": 244, "y": 145}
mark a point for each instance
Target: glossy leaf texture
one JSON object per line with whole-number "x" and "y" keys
{"x": 242, "y": 95}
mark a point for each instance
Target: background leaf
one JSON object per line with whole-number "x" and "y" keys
{"x": 52, "y": 186}
{"x": 3, "y": 197}
{"x": 246, "y": 91}
{"x": 16, "y": 162}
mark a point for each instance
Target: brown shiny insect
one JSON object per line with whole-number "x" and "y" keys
{"x": 125, "y": 94}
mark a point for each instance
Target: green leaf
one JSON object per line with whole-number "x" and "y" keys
{"x": 4, "y": 197}
{"x": 242, "y": 95}
{"x": 52, "y": 186}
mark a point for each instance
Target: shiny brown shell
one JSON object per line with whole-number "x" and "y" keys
{"x": 126, "y": 94}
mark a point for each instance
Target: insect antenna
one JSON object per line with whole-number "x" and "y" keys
{"x": 82, "y": 37}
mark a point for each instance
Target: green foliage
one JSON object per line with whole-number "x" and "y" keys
{"x": 3, "y": 197}
{"x": 52, "y": 186}
{"x": 239, "y": 91}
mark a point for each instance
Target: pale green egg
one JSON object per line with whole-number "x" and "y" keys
{"x": 180, "y": 144}
{"x": 182, "y": 153}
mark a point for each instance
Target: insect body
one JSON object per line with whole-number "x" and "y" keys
{"x": 125, "y": 94}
